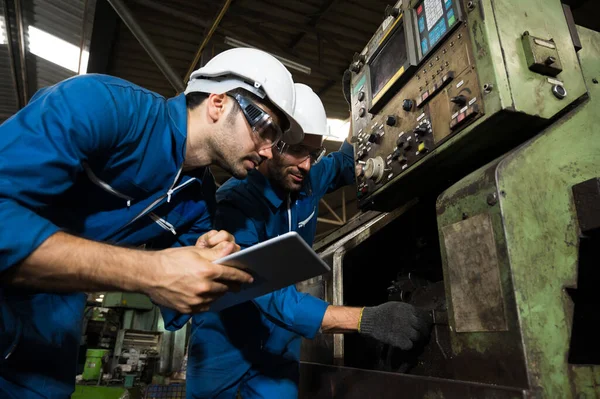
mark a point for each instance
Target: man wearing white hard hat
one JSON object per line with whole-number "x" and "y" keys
{"x": 95, "y": 167}
{"x": 254, "y": 348}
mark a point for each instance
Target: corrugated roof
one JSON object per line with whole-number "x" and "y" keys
{"x": 8, "y": 97}
{"x": 65, "y": 19}
{"x": 321, "y": 34}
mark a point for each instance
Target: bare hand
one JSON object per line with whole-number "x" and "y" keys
{"x": 214, "y": 237}
{"x": 188, "y": 282}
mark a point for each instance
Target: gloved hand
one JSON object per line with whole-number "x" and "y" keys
{"x": 395, "y": 323}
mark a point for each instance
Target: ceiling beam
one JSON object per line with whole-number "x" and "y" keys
{"x": 247, "y": 14}
{"x": 284, "y": 52}
{"x": 22, "y": 50}
{"x": 313, "y": 21}
{"x": 156, "y": 6}
{"x": 11, "y": 56}
{"x": 104, "y": 33}
{"x": 209, "y": 33}
{"x": 125, "y": 14}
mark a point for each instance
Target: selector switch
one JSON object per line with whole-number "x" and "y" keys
{"x": 390, "y": 120}
{"x": 396, "y": 154}
{"x": 361, "y": 95}
{"x": 421, "y": 130}
{"x": 373, "y": 137}
{"x": 459, "y": 100}
{"x": 407, "y": 104}
{"x": 374, "y": 169}
{"x": 362, "y": 111}
{"x": 400, "y": 142}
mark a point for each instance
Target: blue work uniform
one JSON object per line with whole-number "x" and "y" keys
{"x": 255, "y": 346}
{"x": 100, "y": 158}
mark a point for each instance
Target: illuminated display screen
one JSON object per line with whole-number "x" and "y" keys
{"x": 434, "y": 20}
{"x": 388, "y": 62}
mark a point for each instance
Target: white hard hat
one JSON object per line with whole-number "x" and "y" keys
{"x": 255, "y": 71}
{"x": 309, "y": 111}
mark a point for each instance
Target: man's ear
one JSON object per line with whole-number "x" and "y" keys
{"x": 216, "y": 106}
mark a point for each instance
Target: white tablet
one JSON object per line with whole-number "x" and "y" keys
{"x": 274, "y": 264}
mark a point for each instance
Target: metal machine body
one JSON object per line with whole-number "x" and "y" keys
{"x": 517, "y": 264}
{"x": 445, "y": 86}
{"x": 506, "y": 259}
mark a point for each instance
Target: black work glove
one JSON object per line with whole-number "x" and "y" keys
{"x": 396, "y": 323}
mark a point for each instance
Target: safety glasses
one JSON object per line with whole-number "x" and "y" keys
{"x": 301, "y": 152}
{"x": 260, "y": 121}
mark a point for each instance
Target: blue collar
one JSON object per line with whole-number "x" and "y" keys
{"x": 177, "y": 109}
{"x": 273, "y": 194}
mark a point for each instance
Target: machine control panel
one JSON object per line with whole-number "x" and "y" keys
{"x": 408, "y": 102}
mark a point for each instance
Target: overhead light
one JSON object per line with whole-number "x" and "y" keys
{"x": 2, "y": 32}
{"x": 101, "y": 296}
{"x": 230, "y": 41}
{"x": 99, "y": 299}
{"x": 57, "y": 51}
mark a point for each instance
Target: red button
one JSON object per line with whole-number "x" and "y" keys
{"x": 461, "y": 117}
{"x": 420, "y": 9}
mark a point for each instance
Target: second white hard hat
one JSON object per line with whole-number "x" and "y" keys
{"x": 255, "y": 71}
{"x": 309, "y": 111}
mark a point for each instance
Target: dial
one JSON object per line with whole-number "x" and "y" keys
{"x": 374, "y": 169}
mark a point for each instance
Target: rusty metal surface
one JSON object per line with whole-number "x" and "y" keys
{"x": 541, "y": 231}
{"x": 320, "y": 381}
{"x": 472, "y": 353}
{"x": 475, "y": 287}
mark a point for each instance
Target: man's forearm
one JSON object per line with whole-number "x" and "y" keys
{"x": 66, "y": 263}
{"x": 340, "y": 319}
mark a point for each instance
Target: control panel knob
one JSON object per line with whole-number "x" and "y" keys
{"x": 459, "y": 100}
{"x": 390, "y": 120}
{"x": 421, "y": 130}
{"x": 362, "y": 111}
{"x": 361, "y": 95}
{"x": 407, "y": 104}
{"x": 396, "y": 154}
{"x": 392, "y": 11}
{"x": 373, "y": 137}
{"x": 374, "y": 169}
{"x": 403, "y": 143}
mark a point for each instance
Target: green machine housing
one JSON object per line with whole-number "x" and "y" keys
{"x": 506, "y": 258}
{"x": 520, "y": 243}
{"x": 445, "y": 86}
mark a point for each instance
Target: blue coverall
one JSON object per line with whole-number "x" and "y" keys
{"x": 100, "y": 158}
{"x": 255, "y": 346}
